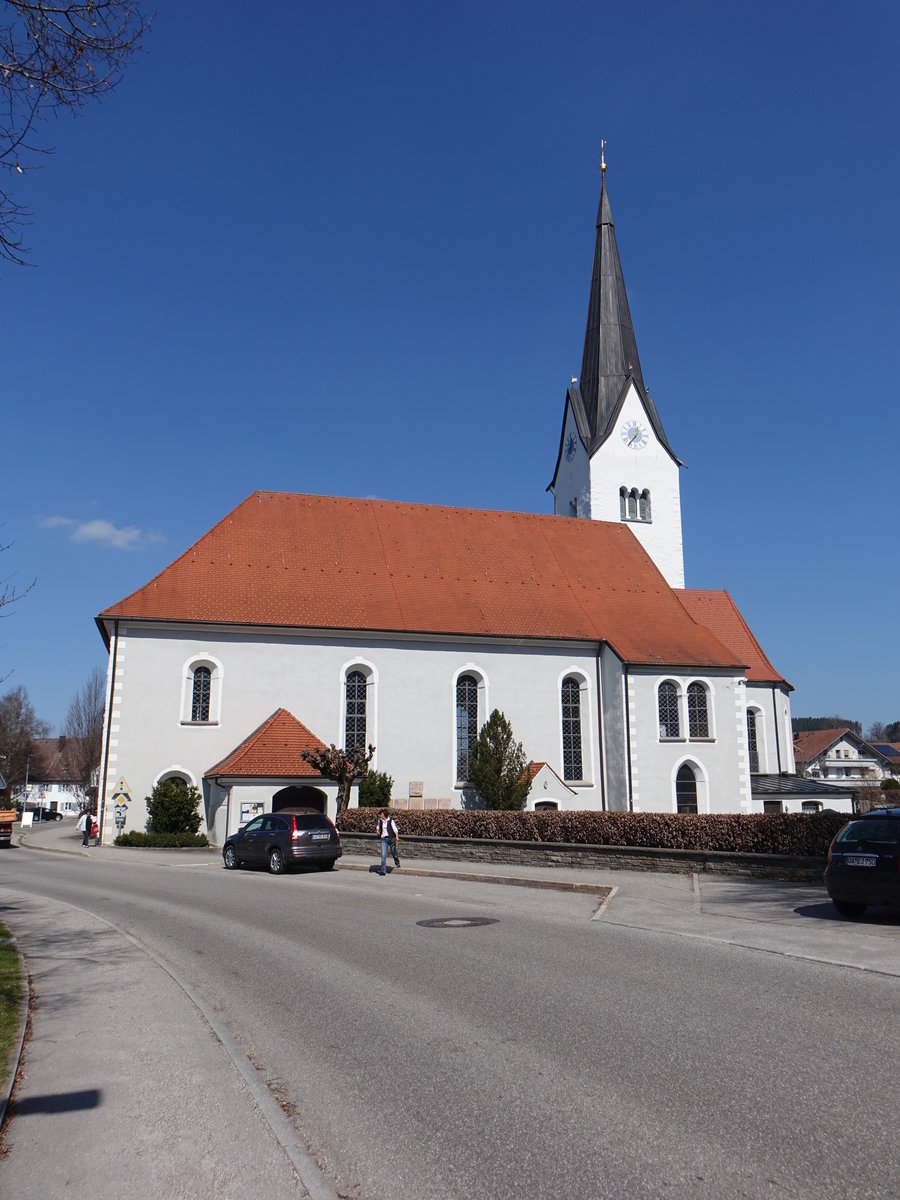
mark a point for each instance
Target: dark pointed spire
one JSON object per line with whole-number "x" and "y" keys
{"x": 610, "y": 347}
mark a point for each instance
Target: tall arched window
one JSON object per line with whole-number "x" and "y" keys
{"x": 686, "y": 789}
{"x": 200, "y": 694}
{"x": 632, "y": 505}
{"x": 571, "y": 729}
{"x": 698, "y": 713}
{"x": 644, "y": 505}
{"x": 466, "y": 724}
{"x": 355, "y": 721}
{"x": 669, "y": 724}
{"x": 623, "y": 503}
{"x": 752, "y": 743}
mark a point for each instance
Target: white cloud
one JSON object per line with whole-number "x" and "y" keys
{"x": 53, "y": 522}
{"x": 102, "y": 531}
{"x": 105, "y": 531}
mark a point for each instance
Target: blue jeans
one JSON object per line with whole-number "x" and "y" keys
{"x": 384, "y": 854}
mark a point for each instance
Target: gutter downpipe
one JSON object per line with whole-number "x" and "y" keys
{"x": 101, "y": 799}
{"x": 600, "y": 728}
{"x": 227, "y": 807}
{"x": 628, "y": 739}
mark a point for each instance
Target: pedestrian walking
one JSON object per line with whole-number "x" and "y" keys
{"x": 84, "y": 824}
{"x": 389, "y": 834}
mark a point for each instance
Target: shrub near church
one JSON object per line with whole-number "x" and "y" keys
{"x": 173, "y": 820}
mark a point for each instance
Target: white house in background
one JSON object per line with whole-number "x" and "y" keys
{"x": 52, "y": 772}
{"x": 353, "y": 622}
{"x": 841, "y": 757}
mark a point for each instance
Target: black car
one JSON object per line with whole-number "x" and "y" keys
{"x": 284, "y": 839}
{"x": 864, "y": 862}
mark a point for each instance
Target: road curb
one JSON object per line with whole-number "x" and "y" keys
{"x": 554, "y": 885}
{"x": 15, "y": 1059}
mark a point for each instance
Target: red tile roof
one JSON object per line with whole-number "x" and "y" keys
{"x": 274, "y": 750}
{"x": 813, "y": 742}
{"x": 328, "y": 562}
{"x": 718, "y": 612}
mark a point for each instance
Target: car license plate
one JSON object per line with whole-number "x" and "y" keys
{"x": 321, "y": 837}
{"x": 860, "y": 860}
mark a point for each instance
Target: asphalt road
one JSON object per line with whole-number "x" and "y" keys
{"x": 544, "y": 1054}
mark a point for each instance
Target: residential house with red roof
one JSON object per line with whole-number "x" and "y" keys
{"x": 302, "y": 620}
{"x": 840, "y": 757}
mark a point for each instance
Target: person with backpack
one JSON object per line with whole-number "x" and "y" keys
{"x": 389, "y": 833}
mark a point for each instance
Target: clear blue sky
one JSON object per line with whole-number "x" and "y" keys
{"x": 346, "y": 249}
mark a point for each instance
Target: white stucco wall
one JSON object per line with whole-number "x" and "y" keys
{"x": 412, "y": 709}
{"x": 572, "y": 493}
{"x": 719, "y": 761}
{"x": 648, "y": 465}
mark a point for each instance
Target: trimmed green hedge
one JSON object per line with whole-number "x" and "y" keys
{"x": 807, "y": 834}
{"x": 160, "y": 841}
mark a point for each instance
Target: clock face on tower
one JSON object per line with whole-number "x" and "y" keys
{"x": 571, "y": 444}
{"x": 635, "y": 435}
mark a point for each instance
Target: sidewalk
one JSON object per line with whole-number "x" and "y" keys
{"x": 85, "y": 973}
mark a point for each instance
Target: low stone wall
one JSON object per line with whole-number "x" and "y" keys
{"x": 612, "y": 858}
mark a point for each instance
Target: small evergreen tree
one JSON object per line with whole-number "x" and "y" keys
{"x": 375, "y": 790}
{"x": 174, "y": 807}
{"x": 497, "y": 765}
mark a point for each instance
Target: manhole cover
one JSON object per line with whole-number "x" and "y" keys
{"x": 456, "y": 922}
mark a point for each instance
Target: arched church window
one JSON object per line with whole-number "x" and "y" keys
{"x": 632, "y": 504}
{"x": 698, "y": 712}
{"x": 200, "y": 692}
{"x": 355, "y": 719}
{"x": 623, "y": 503}
{"x": 571, "y": 729}
{"x": 686, "y": 789}
{"x": 752, "y": 742}
{"x": 466, "y": 724}
{"x": 669, "y": 724}
{"x": 644, "y": 505}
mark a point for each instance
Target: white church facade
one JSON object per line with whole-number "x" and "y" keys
{"x": 301, "y": 620}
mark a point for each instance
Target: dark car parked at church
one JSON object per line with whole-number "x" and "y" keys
{"x": 283, "y": 840}
{"x": 864, "y": 863}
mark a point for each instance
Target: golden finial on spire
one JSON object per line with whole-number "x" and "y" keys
{"x": 602, "y": 159}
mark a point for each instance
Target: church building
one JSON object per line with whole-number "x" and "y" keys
{"x": 303, "y": 620}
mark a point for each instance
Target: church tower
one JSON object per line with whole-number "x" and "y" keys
{"x": 614, "y": 461}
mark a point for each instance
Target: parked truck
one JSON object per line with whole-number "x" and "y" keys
{"x": 7, "y": 816}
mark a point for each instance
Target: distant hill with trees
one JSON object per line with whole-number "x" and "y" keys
{"x": 807, "y": 724}
{"x": 878, "y": 731}
{"x": 884, "y": 733}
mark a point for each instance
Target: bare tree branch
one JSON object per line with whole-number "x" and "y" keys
{"x": 84, "y": 727}
{"x": 55, "y": 58}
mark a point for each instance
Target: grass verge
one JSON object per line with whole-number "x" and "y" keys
{"x": 10, "y": 991}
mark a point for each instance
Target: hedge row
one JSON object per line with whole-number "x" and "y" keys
{"x": 757, "y": 833}
{"x": 160, "y": 841}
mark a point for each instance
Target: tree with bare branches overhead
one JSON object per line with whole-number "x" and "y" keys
{"x": 84, "y": 729}
{"x": 54, "y": 57}
{"x": 20, "y": 729}
{"x": 9, "y": 595}
{"x": 345, "y": 769}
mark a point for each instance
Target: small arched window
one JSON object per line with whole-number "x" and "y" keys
{"x": 669, "y": 724}
{"x": 644, "y": 505}
{"x": 355, "y": 719}
{"x": 752, "y": 742}
{"x": 571, "y": 729}
{"x": 623, "y": 503}
{"x": 698, "y": 712}
{"x": 200, "y": 693}
{"x": 686, "y": 789}
{"x": 632, "y": 505}
{"x": 466, "y": 724}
